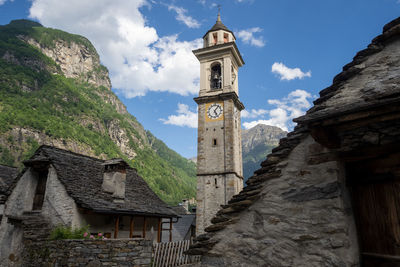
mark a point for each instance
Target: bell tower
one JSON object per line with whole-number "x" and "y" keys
{"x": 219, "y": 152}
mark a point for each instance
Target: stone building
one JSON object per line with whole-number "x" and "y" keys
{"x": 329, "y": 194}
{"x": 184, "y": 228}
{"x": 7, "y": 176}
{"x": 219, "y": 152}
{"x": 61, "y": 187}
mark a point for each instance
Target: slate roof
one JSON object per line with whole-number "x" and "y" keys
{"x": 229, "y": 213}
{"x": 82, "y": 177}
{"x": 180, "y": 210}
{"x": 7, "y": 177}
{"x": 338, "y": 99}
{"x": 219, "y": 26}
{"x": 181, "y": 228}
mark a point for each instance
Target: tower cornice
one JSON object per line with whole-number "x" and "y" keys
{"x": 220, "y": 97}
{"x": 226, "y": 47}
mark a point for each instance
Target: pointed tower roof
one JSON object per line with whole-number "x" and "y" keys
{"x": 219, "y": 26}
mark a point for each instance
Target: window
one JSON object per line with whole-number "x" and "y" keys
{"x": 216, "y": 78}
{"x": 40, "y": 190}
{"x": 226, "y": 38}
{"x": 215, "y": 38}
{"x": 214, "y": 142}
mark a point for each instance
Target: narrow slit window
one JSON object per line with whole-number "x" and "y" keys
{"x": 215, "y": 37}
{"x": 214, "y": 142}
{"x": 226, "y": 38}
{"x": 216, "y": 184}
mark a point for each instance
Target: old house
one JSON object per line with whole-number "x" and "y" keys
{"x": 61, "y": 187}
{"x": 329, "y": 194}
{"x": 184, "y": 228}
{"x": 7, "y": 176}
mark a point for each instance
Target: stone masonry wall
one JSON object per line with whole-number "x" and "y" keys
{"x": 71, "y": 253}
{"x": 303, "y": 218}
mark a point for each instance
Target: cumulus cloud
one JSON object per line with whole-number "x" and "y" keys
{"x": 287, "y": 108}
{"x": 247, "y": 37}
{"x": 287, "y": 73}
{"x": 253, "y": 113}
{"x": 138, "y": 58}
{"x": 185, "y": 117}
{"x": 182, "y": 17}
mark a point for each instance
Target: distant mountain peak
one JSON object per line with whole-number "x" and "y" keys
{"x": 257, "y": 142}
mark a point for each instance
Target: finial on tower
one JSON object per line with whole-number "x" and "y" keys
{"x": 219, "y": 13}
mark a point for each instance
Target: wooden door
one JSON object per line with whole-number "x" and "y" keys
{"x": 375, "y": 187}
{"x": 40, "y": 191}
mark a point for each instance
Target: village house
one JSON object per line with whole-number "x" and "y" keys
{"x": 329, "y": 194}
{"x": 185, "y": 227}
{"x": 61, "y": 187}
{"x": 7, "y": 176}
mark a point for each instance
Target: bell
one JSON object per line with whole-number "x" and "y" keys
{"x": 216, "y": 76}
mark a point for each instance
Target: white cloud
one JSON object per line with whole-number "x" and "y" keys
{"x": 253, "y": 113}
{"x": 2, "y": 2}
{"x": 182, "y": 17}
{"x": 203, "y": 2}
{"x": 185, "y": 117}
{"x": 288, "y": 73}
{"x": 287, "y": 108}
{"x": 247, "y": 36}
{"x": 138, "y": 59}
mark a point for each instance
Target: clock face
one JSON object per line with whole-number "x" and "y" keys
{"x": 214, "y": 111}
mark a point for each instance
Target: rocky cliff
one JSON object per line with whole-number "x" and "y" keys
{"x": 257, "y": 143}
{"x": 54, "y": 91}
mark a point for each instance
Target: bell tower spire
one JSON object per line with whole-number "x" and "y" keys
{"x": 219, "y": 149}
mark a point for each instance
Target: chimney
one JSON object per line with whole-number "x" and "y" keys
{"x": 185, "y": 205}
{"x": 114, "y": 178}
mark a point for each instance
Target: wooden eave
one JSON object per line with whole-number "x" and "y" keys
{"x": 126, "y": 213}
{"x": 326, "y": 130}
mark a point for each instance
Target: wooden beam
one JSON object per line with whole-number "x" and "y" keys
{"x": 159, "y": 230}
{"x": 144, "y": 226}
{"x": 131, "y": 227}
{"x": 170, "y": 229}
{"x": 326, "y": 136}
{"x": 116, "y": 227}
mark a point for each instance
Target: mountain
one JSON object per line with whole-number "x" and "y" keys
{"x": 54, "y": 91}
{"x": 257, "y": 143}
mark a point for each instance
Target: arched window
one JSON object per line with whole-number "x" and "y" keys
{"x": 216, "y": 78}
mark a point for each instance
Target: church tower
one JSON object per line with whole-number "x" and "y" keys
{"x": 219, "y": 152}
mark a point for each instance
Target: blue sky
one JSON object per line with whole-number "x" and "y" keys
{"x": 292, "y": 50}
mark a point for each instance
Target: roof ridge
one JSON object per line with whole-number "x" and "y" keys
{"x": 67, "y": 152}
{"x": 8, "y": 166}
{"x": 390, "y": 32}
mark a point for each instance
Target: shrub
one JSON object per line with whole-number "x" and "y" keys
{"x": 65, "y": 232}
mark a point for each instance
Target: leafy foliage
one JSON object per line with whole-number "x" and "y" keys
{"x": 35, "y": 95}
{"x": 65, "y": 232}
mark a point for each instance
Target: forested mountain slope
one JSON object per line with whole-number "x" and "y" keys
{"x": 54, "y": 91}
{"x": 257, "y": 143}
